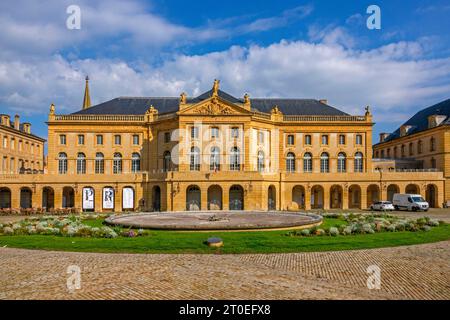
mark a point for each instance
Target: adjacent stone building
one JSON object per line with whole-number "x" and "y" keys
{"x": 422, "y": 142}
{"x": 213, "y": 152}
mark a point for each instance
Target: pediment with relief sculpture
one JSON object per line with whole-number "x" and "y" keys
{"x": 214, "y": 107}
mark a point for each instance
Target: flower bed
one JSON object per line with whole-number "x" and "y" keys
{"x": 38, "y": 211}
{"x": 71, "y": 226}
{"x": 367, "y": 224}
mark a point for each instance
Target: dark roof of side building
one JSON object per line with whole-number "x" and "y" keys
{"x": 419, "y": 122}
{"x": 139, "y": 105}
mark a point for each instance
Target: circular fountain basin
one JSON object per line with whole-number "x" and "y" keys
{"x": 216, "y": 220}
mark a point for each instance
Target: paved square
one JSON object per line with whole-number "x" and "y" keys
{"x": 410, "y": 272}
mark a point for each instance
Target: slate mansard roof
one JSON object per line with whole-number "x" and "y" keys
{"x": 419, "y": 122}
{"x": 139, "y": 105}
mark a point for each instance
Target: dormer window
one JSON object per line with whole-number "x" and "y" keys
{"x": 404, "y": 130}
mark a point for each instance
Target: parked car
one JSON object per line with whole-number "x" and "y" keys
{"x": 410, "y": 202}
{"x": 382, "y": 206}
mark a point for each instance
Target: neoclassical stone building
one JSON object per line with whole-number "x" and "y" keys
{"x": 212, "y": 152}
{"x": 422, "y": 142}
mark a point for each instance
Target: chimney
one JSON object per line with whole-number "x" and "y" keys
{"x": 5, "y": 120}
{"x": 17, "y": 122}
{"x": 324, "y": 101}
{"x": 383, "y": 136}
{"x": 435, "y": 120}
{"x": 27, "y": 127}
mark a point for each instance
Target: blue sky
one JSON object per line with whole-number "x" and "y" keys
{"x": 304, "y": 49}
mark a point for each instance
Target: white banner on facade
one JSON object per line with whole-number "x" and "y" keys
{"x": 88, "y": 198}
{"x": 108, "y": 198}
{"x": 128, "y": 198}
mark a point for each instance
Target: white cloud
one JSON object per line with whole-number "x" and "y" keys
{"x": 349, "y": 79}
{"x": 331, "y": 35}
{"x": 32, "y": 28}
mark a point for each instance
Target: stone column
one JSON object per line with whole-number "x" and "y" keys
{"x": 363, "y": 198}
{"x": 15, "y": 197}
{"x": 307, "y": 198}
{"x": 226, "y": 197}
{"x": 36, "y": 197}
{"x": 204, "y": 197}
{"x": 326, "y": 197}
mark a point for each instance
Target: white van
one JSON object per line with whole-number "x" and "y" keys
{"x": 411, "y": 202}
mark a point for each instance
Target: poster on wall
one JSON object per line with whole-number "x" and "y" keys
{"x": 128, "y": 198}
{"x": 88, "y": 198}
{"x": 108, "y": 198}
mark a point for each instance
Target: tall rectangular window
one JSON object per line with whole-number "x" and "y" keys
{"x": 62, "y": 139}
{"x": 99, "y": 138}
{"x": 80, "y": 139}
{"x": 13, "y": 142}
{"x": 260, "y": 137}
{"x": 342, "y": 139}
{"x": 194, "y": 132}
{"x": 117, "y": 139}
{"x": 214, "y": 133}
{"x": 235, "y": 132}
{"x": 5, "y": 142}
{"x": 290, "y": 140}
{"x": 166, "y": 137}
{"x": 324, "y": 139}
{"x": 359, "y": 139}
{"x": 308, "y": 140}
{"x": 136, "y": 139}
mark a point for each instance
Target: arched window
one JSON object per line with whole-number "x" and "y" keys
{"x": 358, "y": 162}
{"x": 167, "y": 161}
{"x": 342, "y": 162}
{"x": 195, "y": 159}
{"x": 62, "y": 163}
{"x": 290, "y": 162}
{"x": 235, "y": 159}
{"x": 260, "y": 161}
{"x": 214, "y": 161}
{"x": 324, "y": 162}
{"x": 81, "y": 163}
{"x": 135, "y": 162}
{"x": 307, "y": 162}
{"x": 432, "y": 144}
{"x": 99, "y": 163}
{"x": 117, "y": 163}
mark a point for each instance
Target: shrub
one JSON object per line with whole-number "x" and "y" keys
{"x": 8, "y": 231}
{"x": 347, "y": 230}
{"x": 320, "y": 232}
{"x": 391, "y": 228}
{"x": 334, "y": 231}
{"x": 305, "y": 232}
{"x": 433, "y": 223}
{"x": 367, "y": 228}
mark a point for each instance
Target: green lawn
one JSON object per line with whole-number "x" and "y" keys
{"x": 234, "y": 242}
